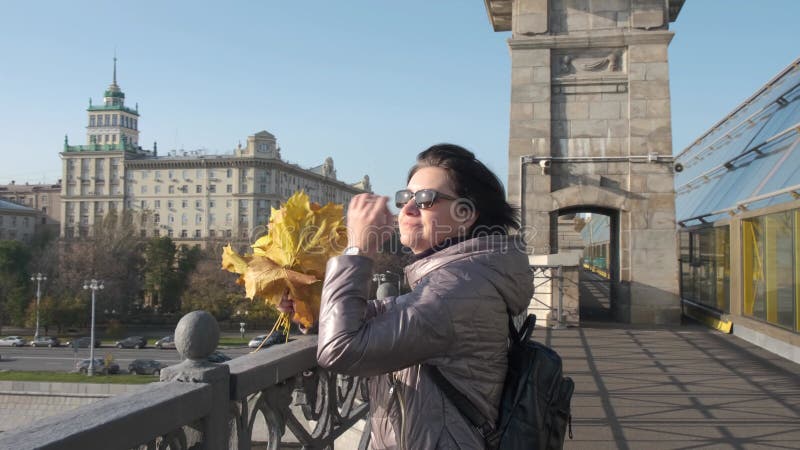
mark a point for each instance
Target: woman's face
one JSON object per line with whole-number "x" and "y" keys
{"x": 421, "y": 229}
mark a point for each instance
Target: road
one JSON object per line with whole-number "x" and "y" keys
{"x": 62, "y": 359}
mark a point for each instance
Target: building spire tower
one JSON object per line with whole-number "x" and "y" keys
{"x": 113, "y": 123}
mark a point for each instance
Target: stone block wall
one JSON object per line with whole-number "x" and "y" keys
{"x": 590, "y": 96}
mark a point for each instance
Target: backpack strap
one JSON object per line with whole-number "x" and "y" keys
{"x": 462, "y": 403}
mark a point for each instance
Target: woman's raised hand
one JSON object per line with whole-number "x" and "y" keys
{"x": 369, "y": 223}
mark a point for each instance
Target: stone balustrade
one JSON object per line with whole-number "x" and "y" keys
{"x": 203, "y": 405}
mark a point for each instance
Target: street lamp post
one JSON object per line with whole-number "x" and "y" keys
{"x": 94, "y": 285}
{"x": 38, "y": 278}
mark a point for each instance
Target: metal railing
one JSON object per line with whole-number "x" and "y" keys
{"x": 203, "y": 405}
{"x": 544, "y": 275}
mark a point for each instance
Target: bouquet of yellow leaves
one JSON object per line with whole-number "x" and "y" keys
{"x": 292, "y": 256}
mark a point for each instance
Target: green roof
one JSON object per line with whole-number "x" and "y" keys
{"x": 113, "y": 108}
{"x": 101, "y": 148}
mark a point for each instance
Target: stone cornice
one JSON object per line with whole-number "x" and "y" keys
{"x": 595, "y": 40}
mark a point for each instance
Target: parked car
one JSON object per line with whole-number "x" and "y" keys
{"x": 45, "y": 341}
{"x": 99, "y": 366}
{"x": 166, "y": 342}
{"x": 83, "y": 342}
{"x": 132, "y": 342}
{"x": 218, "y": 357}
{"x": 146, "y": 367}
{"x": 12, "y": 341}
{"x": 275, "y": 338}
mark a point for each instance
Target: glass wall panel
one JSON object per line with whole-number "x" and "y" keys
{"x": 769, "y": 254}
{"x": 705, "y": 267}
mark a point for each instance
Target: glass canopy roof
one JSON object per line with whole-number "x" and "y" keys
{"x": 749, "y": 160}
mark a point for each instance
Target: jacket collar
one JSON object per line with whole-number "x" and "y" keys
{"x": 460, "y": 250}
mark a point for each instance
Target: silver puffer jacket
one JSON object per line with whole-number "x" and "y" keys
{"x": 455, "y": 317}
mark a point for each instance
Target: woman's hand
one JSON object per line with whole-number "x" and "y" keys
{"x": 286, "y": 306}
{"x": 369, "y": 223}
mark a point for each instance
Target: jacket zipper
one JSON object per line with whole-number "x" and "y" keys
{"x": 394, "y": 392}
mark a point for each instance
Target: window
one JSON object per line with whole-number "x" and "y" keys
{"x": 158, "y": 175}
{"x": 171, "y": 189}
{"x": 184, "y": 233}
{"x": 212, "y": 219}
{"x": 114, "y": 123}
{"x": 144, "y": 189}
{"x": 212, "y": 188}
{"x": 212, "y": 233}
{"x": 184, "y": 203}
{"x": 170, "y": 204}
{"x": 198, "y": 219}
{"x": 169, "y": 232}
{"x": 769, "y": 261}
{"x": 144, "y": 204}
{"x": 243, "y": 188}
{"x": 171, "y": 174}
{"x": 156, "y": 218}
{"x": 198, "y": 204}
{"x": 197, "y": 233}
{"x": 157, "y": 189}
{"x": 184, "y": 219}
{"x": 91, "y": 121}
{"x": 198, "y": 189}
{"x": 157, "y": 204}
{"x": 199, "y": 174}
{"x": 156, "y": 232}
{"x": 106, "y": 121}
{"x": 228, "y": 219}
{"x": 142, "y": 232}
{"x": 171, "y": 219}
{"x": 229, "y": 173}
{"x": 229, "y": 188}
{"x": 263, "y": 188}
{"x": 212, "y": 203}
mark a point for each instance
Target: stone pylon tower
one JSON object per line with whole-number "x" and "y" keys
{"x": 590, "y": 131}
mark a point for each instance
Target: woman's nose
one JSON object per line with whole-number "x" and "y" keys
{"x": 410, "y": 208}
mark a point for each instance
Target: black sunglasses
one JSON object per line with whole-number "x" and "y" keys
{"x": 423, "y": 198}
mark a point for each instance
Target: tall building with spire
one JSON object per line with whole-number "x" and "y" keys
{"x": 190, "y": 196}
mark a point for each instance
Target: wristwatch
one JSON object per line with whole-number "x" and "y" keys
{"x": 352, "y": 251}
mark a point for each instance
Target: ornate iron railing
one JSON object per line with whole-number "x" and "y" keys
{"x": 203, "y": 405}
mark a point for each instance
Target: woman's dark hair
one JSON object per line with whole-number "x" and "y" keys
{"x": 472, "y": 181}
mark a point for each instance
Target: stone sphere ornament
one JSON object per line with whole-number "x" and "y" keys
{"x": 197, "y": 335}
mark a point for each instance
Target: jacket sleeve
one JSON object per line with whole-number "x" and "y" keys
{"x": 416, "y": 326}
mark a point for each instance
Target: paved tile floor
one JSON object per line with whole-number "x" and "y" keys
{"x": 681, "y": 387}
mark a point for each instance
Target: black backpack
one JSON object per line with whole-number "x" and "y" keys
{"x": 534, "y": 408}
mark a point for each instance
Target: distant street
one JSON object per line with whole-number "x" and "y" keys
{"x": 62, "y": 359}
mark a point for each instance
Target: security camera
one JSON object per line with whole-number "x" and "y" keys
{"x": 678, "y": 167}
{"x": 544, "y": 164}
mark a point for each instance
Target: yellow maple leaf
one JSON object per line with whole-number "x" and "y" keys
{"x": 292, "y": 256}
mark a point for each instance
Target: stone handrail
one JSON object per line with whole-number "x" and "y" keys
{"x": 203, "y": 405}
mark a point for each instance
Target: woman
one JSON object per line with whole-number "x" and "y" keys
{"x": 468, "y": 275}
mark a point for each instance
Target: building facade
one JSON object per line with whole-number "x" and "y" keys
{"x": 189, "y": 196}
{"x": 738, "y": 208}
{"x": 45, "y": 198}
{"x": 17, "y": 222}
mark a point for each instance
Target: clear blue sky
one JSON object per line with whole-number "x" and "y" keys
{"x": 370, "y": 83}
